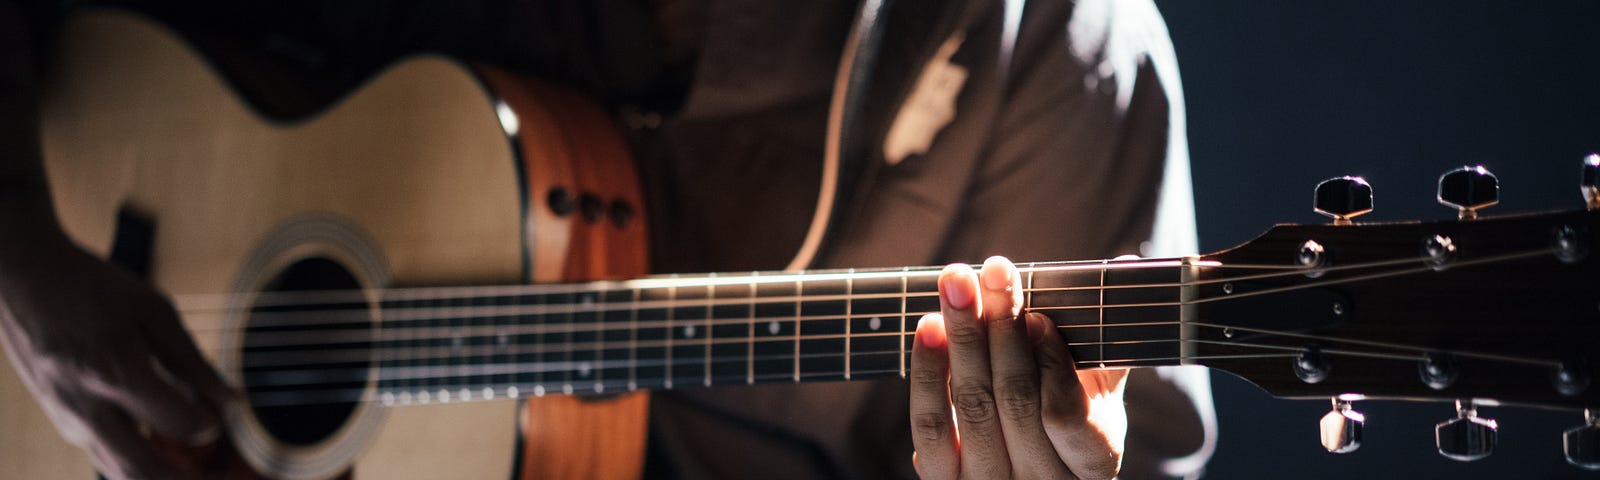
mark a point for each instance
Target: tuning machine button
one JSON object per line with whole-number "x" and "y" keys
{"x": 1341, "y": 428}
{"x": 1469, "y": 189}
{"x": 1343, "y": 198}
{"x": 1591, "y": 180}
{"x": 1581, "y": 444}
{"x": 1467, "y": 437}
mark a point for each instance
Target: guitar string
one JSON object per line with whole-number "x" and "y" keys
{"x": 437, "y": 333}
{"x": 361, "y": 313}
{"x": 259, "y": 359}
{"x": 586, "y": 366}
{"x": 200, "y": 302}
{"x": 1460, "y": 263}
{"x": 461, "y": 371}
{"x": 364, "y": 394}
{"x": 1221, "y": 327}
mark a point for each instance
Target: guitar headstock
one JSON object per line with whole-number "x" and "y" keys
{"x": 1478, "y": 311}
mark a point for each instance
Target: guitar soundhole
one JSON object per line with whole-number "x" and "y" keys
{"x": 307, "y": 351}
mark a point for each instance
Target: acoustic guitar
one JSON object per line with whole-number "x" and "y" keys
{"x": 387, "y": 280}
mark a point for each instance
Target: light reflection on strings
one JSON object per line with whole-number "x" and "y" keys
{"x": 226, "y": 303}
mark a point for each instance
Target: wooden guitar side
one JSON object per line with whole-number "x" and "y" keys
{"x": 418, "y": 160}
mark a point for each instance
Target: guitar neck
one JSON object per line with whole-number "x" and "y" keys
{"x": 720, "y": 329}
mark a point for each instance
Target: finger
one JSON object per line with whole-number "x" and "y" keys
{"x": 983, "y": 449}
{"x": 178, "y": 354}
{"x": 157, "y": 403}
{"x": 1002, "y": 288}
{"x": 933, "y": 435}
{"x": 122, "y": 452}
{"x": 1016, "y": 374}
{"x": 1085, "y": 449}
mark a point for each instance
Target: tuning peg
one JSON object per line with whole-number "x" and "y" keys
{"x": 1341, "y": 428}
{"x": 1343, "y": 198}
{"x": 1581, "y": 444}
{"x": 1467, "y": 437}
{"x": 1469, "y": 189}
{"x": 1591, "y": 180}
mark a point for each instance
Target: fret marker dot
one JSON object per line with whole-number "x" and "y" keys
{"x": 444, "y": 396}
{"x": 584, "y": 369}
{"x": 512, "y": 392}
{"x": 405, "y": 397}
{"x": 567, "y": 389}
{"x": 422, "y": 397}
{"x": 875, "y": 324}
{"x": 388, "y": 399}
{"x": 599, "y": 387}
{"x": 688, "y": 331}
{"x": 587, "y": 300}
{"x": 465, "y": 395}
{"x": 488, "y": 393}
{"x": 774, "y": 328}
{"x": 538, "y": 390}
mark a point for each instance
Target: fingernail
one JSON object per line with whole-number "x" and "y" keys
{"x": 958, "y": 290}
{"x": 997, "y": 273}
{"x": 930, "y": 329}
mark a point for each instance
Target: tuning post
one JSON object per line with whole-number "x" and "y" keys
{"x": 1312, "y": 257}
{"x": 1469, "y": 189}
{"x": 1438, "y": 370}
{"x": 1341, "y": 428}
{"x": 1581, "y": 444}
{"x": 1571, "y": 378}
{"x": 1438, "y": 251}
{"x": 1590, "y": 185}
{"x": 1343, "y": 198}
{"x": 1467, "y": 437}
{"x": 1312, "y": 366}
{"x": 1570, "y": 244}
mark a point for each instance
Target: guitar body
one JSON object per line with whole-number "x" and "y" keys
{"x": 431, "y": 174}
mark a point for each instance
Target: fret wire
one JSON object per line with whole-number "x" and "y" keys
{"x": 566, "y": 376}
{"x": 1102, "y": 305}
{"x": 711, "y": 296}
{"x": 750, "y": 344}
{"x": 849, "y": 287}
{"x": 600, "y": 336}
{"x": 633, "y": 341}
{"x": 672, "y": 296}
{"x": 799, "y": 290}
{"x": 905, "y": 273}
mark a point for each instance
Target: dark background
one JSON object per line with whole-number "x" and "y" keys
{"x": 1283, "y": 94}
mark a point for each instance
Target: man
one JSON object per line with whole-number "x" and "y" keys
{"x": 1041, "y": 131}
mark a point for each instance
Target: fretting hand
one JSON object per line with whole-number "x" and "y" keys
{"x": 995, "y": 394}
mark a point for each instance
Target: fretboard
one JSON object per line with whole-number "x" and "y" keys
{"x": 684, "y": 331}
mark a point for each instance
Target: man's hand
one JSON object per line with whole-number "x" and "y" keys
{"x": 1020, "y": 408}
{"x": 106, "y": 357}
